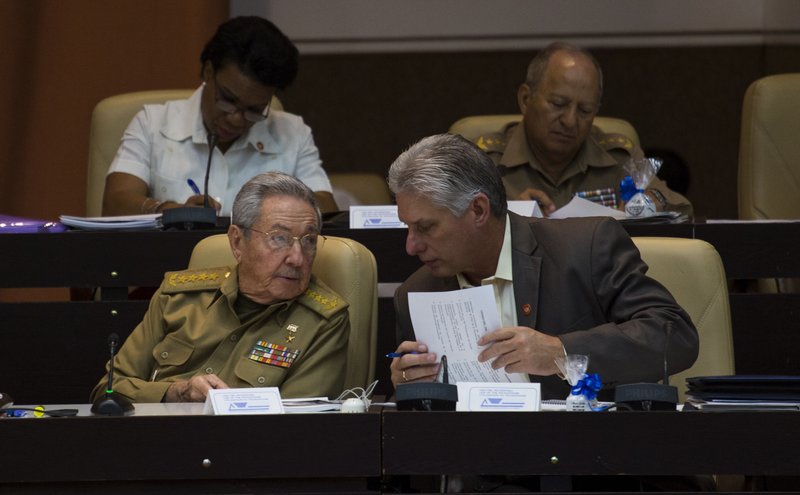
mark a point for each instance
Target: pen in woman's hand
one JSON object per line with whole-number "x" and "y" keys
{"x": 193, "y": 186}
{"x": 399, "y": 354}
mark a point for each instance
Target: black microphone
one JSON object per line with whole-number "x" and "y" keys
{"x": 649, "y": 396}
{"x": 212, "y": 142}
{"x": 189, "y": 217}
{"x": 111, "y": 403}
{"x": 431, "y": 396}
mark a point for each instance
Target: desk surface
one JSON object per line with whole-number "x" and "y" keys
{"x": 352, "y": 452}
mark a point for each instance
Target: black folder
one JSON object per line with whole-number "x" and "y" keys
{"x": 770, "y": 388}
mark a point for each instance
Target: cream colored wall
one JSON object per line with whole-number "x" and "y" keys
{"x": 358, "y": 26}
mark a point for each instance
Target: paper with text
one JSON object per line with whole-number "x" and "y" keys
{"x": 450, "y": 324}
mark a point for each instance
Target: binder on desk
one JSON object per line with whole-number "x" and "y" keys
{"x": 745, "y": 392}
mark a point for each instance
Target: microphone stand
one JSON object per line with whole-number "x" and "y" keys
{"x": 650, "y": 396}
{"x": 190, "y": 217}
{"x": 431, "y": 396}
{"x": 111, "y": 403}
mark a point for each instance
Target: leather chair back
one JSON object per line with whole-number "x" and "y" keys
{"x": 692, "y": 271}
{"x": 348, "y": 268}
{"x": 477, "y": 125}
{"x": 110, "y": 118}
{"x": 769, "y": 170}
{"x": 355, "y": 188}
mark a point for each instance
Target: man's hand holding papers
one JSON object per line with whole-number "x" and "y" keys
{"x": 452, "y": 324}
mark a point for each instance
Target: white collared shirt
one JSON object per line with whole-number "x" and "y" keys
{"x": 164, "y": 145}
{"x": 502, "y": 282}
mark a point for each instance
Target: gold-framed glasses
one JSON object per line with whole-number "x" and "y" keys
{"x": 230, "y": 107}
{"x": 281, "y": 240}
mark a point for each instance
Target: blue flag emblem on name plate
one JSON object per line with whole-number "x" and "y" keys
{"x": 237, "y": 406}
{"x": 499, "y": 403}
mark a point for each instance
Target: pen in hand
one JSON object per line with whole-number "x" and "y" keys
{"x": 193, "y": 186}
{"x": 399, "y": 354}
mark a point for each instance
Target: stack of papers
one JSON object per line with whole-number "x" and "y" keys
{"x": 311, "y": 404}
{"x": 152, "y": 221}
{"x": 745, "y": 392}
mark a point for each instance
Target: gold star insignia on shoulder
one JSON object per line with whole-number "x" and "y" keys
{"x": 324, "y": 301}
{"x": 178, "y": 278}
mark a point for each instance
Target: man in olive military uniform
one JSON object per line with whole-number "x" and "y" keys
{"x": 556, "y": 152}
{"x": 264, "y": 322}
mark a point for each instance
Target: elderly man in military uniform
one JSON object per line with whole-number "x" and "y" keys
{"x": 264, "y": 322}
{"x": 556, "y": 152}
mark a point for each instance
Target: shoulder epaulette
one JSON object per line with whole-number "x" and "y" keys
{"x": 613, "y": 140}
{"x": 491, "y": 143}
{"x": 322, "y": 299}
{"x": 194, "y": 280}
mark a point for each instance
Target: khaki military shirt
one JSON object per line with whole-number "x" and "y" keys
{"x": 597, "y": 165}
{"x": 191, "y": 328}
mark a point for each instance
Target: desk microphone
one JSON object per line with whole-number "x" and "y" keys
{"x": 428, "y": 396}
{"x": 190, "y": 217}
{"x": 111, "y": 403}
{"x": 650, "y": 396}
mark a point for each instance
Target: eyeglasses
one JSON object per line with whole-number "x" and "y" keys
{"x": 230, "y": 107}
{"x": 280, "y": 240}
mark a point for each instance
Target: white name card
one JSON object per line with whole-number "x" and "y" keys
{"x": 231, "y": 401}
{"x": 375, "y": 217}
{"x": 475, "y": 396}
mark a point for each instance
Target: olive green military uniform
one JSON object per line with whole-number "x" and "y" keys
{"x": 191, "y": 328}
{"x": 597, "y": 165}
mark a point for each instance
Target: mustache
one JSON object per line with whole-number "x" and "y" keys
{"x": 290, "y": 273}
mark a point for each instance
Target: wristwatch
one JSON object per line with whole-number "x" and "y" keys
{"x": 659, "y": 197}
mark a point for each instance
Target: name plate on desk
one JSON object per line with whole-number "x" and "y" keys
{"x": 233, "y": 401}
{"x": 375, "y": 217}
{"x": 475, "y": 396}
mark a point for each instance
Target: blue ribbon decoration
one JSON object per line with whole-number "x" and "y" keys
{"x": 588, "y": 386}
{"x": 626, "y": 189}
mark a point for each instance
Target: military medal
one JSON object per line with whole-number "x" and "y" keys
{"x": 273, "y": 354}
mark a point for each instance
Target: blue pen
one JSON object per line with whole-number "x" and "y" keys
{"x": 399, "y": 354}
{"x": 193, "y": 186}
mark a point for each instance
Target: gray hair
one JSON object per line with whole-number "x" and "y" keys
{"x": 538, "y": 65}
{"x": 247, "y": 205}
{"x": 450, "y": 171}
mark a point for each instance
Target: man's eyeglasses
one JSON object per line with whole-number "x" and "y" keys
{"x": 281, "y": 240}
{"x": 230, "y": 107}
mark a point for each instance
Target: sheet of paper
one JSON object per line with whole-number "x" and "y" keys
{"x": 450, "y": 324}
{"x": 525, "y": 208}
{"x": 580, "y": 207}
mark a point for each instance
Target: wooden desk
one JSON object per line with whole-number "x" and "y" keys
{"x": 357, "y": 453}
{"x": 560, "y": 443}
{"x": 55, "y": 351}
{"x": 246, "y": 454}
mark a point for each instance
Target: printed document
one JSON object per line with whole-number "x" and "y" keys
{"x": 450, "y": 324}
